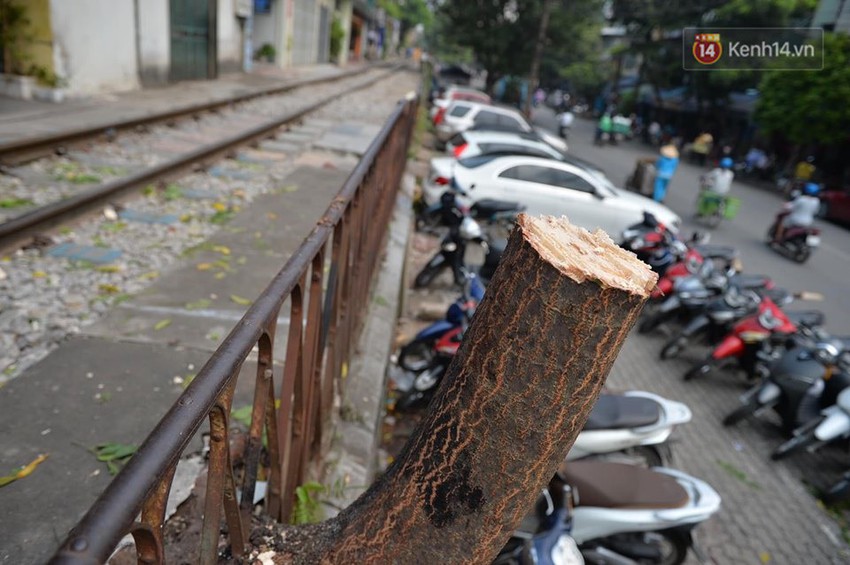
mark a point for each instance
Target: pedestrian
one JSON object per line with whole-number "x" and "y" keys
{"x": 665, "y": 166}
{"x": 603, "y": 129}
{"x": 701, "y": 147}
{"x": 654, "y": 131}
{"x": 565, "y": 122}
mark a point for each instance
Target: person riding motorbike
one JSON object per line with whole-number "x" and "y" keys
{"x": 799, "y": 212}
{"x": 719, "y": 179}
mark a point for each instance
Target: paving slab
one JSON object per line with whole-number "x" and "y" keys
{"x": 348, "y": 138}
{"x": 198, "y": 303}
{"x": 68, "y": 403}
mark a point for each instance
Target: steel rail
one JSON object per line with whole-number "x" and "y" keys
{"x": 353, "y": 226}
{"x": 19, "y": 229}
{"x": 21, "y": 151}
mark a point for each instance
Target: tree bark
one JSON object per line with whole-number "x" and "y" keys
{"x": 510, "y": 406}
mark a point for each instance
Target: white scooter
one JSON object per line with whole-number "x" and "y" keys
{"x": 632, "y": 427}
{"x": 625, "y": 514}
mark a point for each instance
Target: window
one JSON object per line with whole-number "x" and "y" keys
{"x": 512, "y": 123}
{"x": 566, "y": 179}
{"x": 457, "y": 140}
{"x": 487, "y": 118}
{"x": 529, "y": 173}
{"x": 513, "y": 149}
{"x": 459, "y": 111}
{"x": 262, "y": 6}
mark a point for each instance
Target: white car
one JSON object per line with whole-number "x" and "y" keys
{"x": 462, "y": 115}
{"x": 454, "y": 92}
{"x": 470, "y": 143}
{"x": 546, "y": 186}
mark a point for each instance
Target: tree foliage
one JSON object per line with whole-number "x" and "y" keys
{"x": 501, "y": 33}
{"x": 810, "y": 106}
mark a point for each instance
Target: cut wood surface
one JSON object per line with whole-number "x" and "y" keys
{"x": 511, "y": 404}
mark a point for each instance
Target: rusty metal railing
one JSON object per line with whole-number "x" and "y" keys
{"x": 326, "y": 307}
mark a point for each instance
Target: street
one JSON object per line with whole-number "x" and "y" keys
{"x": 826, "y": 272}
{"x": 768, "y": 514}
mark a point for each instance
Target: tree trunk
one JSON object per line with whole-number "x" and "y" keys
{"x": 510, "y": 407}
{"x": 534, "y": 78}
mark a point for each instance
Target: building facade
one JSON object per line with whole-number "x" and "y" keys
{"x": 84, "y": 47}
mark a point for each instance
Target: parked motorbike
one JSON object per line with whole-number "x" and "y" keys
{"x": 754, "y": 339}
{"x": 692, "y": 294}
{"x": 839, "y": 492}
{"x": 797, "y": 243}
{"x": 426, "y": 381}
{"x": 632, "y": 426}
{"x": 487, "y": 211}
{"x": 718, "y": 317}
{"x": 418, "y": 354}
{"x": 629, "y": 514}
{"x": 463, "y": 229}
{"x": 823, "y": 416}
{"x": 543, "y": 536}
{"x": 797, "y": 386}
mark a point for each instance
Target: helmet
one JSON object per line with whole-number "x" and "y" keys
{"x": 470, "y": 229}
{"x": 811, "y": 188}
{"x": 726, "y": 163}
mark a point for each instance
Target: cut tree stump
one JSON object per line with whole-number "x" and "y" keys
{"x": 510, "y": 406}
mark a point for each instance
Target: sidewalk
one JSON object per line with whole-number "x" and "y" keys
{"x": 25, "y": 119}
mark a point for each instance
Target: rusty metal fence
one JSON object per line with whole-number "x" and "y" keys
{"x": 326, "y": 283}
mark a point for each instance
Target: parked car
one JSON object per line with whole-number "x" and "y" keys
{"x": 462, "y": 115}
{"x": 454, "y": 92}
{"x": 476, "y": 142}
{"x": 835, "y": 205}
{"x": 547, "y": 186}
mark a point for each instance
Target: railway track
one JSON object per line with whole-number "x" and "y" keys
{"x": 103, "y": 221}
{"x": 51, "y": 191}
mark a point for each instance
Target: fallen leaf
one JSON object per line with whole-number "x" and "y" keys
{"x": 223, "y": 249}
{"x": 150, "y": 275}
{"x": 22, "y": 472}
{"x": 162, "y": 324}
{"x": 198, "y": 304}
{"x": 271, "y": 216}
{"x": 185, "y": 218}
{"x": 239, "y": 300}
{"x": 39, "y": 274}
{"x": 115, "y": 455}
{"x": 289, "y": 188}
{"x": 108, "y": 288}
{"x": 220, "y": 275}
{"x": 204, "y": 266}
{"x": 242, "y": 260}
{"x": 108, "y": 269}
{"x": 764, "y": 557}
{"x": 219, "y": 207}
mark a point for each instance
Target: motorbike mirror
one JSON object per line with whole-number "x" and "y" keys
{"x": 807, "y": 295}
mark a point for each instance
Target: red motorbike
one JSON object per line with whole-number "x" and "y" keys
{"x": 426, "y": 381}
{"x": 755, "y": 340}
{"x": 796, "y": 242}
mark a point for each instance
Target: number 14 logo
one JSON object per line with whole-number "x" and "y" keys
{"x": 707, "y": 48}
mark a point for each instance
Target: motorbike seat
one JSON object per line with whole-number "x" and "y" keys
{"x": 614, "y": 411}
{"x": 488, "y": 207}
{"x": 808, "y": 318}
{"x": 750, "y": 281}
{"x": 604, "y": 484}
{"x": 799, "y": 231}
{"x": 721, "y": 252}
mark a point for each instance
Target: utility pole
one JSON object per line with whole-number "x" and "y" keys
{"x": 534, "y": 79}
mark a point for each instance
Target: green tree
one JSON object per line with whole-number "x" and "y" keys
{"x": 500, "y": 33}
{"x": 810, "y": 106}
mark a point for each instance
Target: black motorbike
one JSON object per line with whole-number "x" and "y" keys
{"x": 463, "y": 230}
{"x": 800, "y": 384}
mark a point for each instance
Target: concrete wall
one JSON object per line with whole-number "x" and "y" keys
{"x": 229, "y": 38}
{"x": 269, "y": 28}
{"x": 94, "y": 44}
{"x": 154, "y": 41}
{"x": 344, "y": 14}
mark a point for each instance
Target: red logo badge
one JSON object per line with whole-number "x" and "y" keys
{"x": 707, "y": 48}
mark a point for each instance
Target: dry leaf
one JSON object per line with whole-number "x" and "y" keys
{"x": 162, "y": 324}
{"x": 219, "y": 207}
{"x": 24, "y": 471}
{"x": 39, "y": 274}
{"x": 204, "y": 266}
{"x": 239, "y": 300}
{"x": 223, "y": 249}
